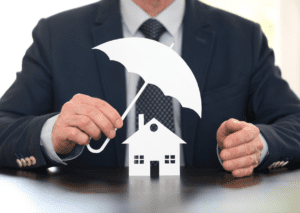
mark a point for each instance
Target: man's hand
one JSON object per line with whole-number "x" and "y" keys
{"x": 83, "y": 117}
{"x": 240, "y": 146}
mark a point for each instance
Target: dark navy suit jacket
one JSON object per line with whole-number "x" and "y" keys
{"x": 228, "y": 55}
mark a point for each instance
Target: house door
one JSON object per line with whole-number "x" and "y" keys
{"x": 154, "y": 169}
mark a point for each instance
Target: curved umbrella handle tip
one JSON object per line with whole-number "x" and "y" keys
{"x": 98, "y": 150}
{"x": 93, "y": 150}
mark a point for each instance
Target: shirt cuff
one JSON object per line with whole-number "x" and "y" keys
{"x": 265, "y": 150}
{"x": 263, "y": 154}
{"x": 46, "y": 143}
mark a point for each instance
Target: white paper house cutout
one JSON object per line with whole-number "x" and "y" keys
{"x": 147, "y": 145}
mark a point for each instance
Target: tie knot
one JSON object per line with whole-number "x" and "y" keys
{"x": 152, "y": 29}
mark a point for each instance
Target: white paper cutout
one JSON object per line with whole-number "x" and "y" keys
{"x": 157, "y": 64}
{"x": 150, "y": 145}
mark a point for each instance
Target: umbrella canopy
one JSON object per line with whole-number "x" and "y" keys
{"x": 157, "y": 64}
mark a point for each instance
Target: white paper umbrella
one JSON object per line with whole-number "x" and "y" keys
{"x": 157, "y": 64}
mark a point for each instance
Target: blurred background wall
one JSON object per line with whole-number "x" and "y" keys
{"x": 279, "y": 19}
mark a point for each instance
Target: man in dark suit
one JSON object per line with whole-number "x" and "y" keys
{"x": 68, "y": 92}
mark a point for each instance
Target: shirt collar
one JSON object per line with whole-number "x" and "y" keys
{"x": 133, "y": 16}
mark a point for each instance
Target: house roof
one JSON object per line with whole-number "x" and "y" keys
{"x": 161, "y": 131}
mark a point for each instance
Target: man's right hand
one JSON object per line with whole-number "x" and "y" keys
{"x": 83, "y": 117}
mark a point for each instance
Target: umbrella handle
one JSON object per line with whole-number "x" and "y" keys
{"x": 123, "y": 117}
{"x": 101, "y": 148}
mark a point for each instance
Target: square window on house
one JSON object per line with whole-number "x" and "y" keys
{"x": 172, "y": 156}
{"x": 166, "y": 161}
{"x": 136, "y": 157}
{"x": 141, "y": 161}
{"x": 136, "y": 162}
{"x": 172, "y": 161}
{"x": 141, "y": 156}
{"x": 166, "y": 156}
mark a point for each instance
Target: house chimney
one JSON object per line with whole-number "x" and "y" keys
{"x": 141, "y": 121}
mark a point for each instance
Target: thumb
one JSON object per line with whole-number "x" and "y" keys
{"x": 228, "y": 127}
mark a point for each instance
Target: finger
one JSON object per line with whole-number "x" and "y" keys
{"x": 233, "y": 125}
{"x": 242, "y": 162}
{"x": 111, "y": 113}
{"x": 228, "y": 127}
{"x": 243, "y": 172}
{"x": 98, "y": 118}
{"x": 86, "y": 125}
{"x": 221, "y": 133}
{"x": 242, "y": 136}
{"x": 254, "y": 146}
{"x": 77, "y": 136}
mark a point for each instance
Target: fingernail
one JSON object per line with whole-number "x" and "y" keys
{"x": 112, "y": 133}
{"x": 119, "y": 122}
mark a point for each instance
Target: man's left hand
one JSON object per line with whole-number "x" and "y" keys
{"x": 240, "y": 145}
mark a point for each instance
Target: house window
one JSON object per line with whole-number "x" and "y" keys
{"x": 169, "y": 159}
{"x": 153, "y": 127}
{"x": 139, "y": 159}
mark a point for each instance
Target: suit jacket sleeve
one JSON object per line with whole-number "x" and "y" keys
{"x": 27, "y": 104}
{"x": 272, "y": 106}
{"x": 47, "y": 145}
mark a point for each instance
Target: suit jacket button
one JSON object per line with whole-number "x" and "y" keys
{"x": 33, "y": 161}
{"x": 277, "y": 164}
{"x": 19, "y": 163}
{"x": 271, "y": 166}
{"x": 285, "y": 163}
{"x": 28, "y": 161}
{"x": 23, "y": 162}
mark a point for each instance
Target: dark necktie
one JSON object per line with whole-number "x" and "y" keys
{"x": 152, "y": 102}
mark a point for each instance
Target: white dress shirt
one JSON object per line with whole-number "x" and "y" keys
{"x": 171, "y": 18}
{"x": 132, "y": 18}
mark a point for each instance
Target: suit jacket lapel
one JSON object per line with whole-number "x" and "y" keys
{"x": 197, "y": 48}
{"x": 109, "y": 27}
